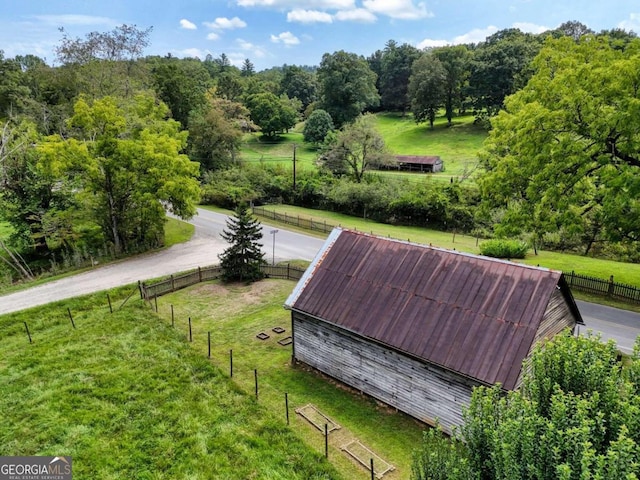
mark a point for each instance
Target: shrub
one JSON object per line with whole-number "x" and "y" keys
{"x": 501, "y": 248}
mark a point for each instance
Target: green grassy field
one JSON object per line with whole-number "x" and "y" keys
{"x": 235, "y": 314}
{"x": 628, "y": 273}
{"x": 128, "y": 396}
{"x": 457, "y": 145}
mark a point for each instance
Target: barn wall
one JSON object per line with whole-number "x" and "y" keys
{"x": 423, "y": 391}
{"x": 556, "y": 318}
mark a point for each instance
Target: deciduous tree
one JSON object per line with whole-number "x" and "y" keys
{"x": 317, "y": 126}
{"x": 357, "y": 148}
{"x": 215, "y": 132}
{"x": 455, "y": 60}
{"x": 347, "y": 86}
{"x": 271, "y": 113}
{"x": 128, "y": 160}
{"x": 564, "y": 153}
{"x": 427, "y": 88}
{"x": 500, "y": 66}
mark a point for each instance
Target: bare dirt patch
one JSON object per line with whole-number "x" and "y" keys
{"x": 210, "y": 289}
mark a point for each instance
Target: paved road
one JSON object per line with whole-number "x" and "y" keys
{"x": 203, "y": 249}
{"x": 620, "y": 325}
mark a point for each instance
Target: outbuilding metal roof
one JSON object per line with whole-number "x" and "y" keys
{"x": 418, "y": 159}
{"x": 473, "y": 315}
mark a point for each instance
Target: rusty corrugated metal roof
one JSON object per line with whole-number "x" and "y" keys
{"x": 474, "y": 315}
{"x": 418, "y": 159}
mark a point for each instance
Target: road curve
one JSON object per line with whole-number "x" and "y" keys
{"x": 201, "y": 250}
{"x": 279, "y": 244}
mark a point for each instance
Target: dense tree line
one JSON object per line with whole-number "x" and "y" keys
{"x": 65, "y": 131}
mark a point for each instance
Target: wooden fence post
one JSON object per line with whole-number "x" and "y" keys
{"x": 199, "y": 275}
{"x": 173, "y": 285}
{"x": 109, "y": 300}
{"x": 190, "y": 336}
{"x": 610, "y": 289}
{"x": 172, "y": 314}
{"x": 140, "y": 288}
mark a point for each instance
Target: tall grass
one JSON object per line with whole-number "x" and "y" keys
{"x": 235, "y": 314}
{"x": 127, "y": 397}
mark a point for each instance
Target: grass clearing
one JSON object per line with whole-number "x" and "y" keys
{"x": 177, "y": 231}
{"x": 458, "y": 145}
{"x": 128, "y": 397}
{"x": 235, "y": 314}
{"x": 628, "y": 273}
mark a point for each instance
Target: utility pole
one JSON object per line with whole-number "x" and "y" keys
{"x": 294, "y": 166}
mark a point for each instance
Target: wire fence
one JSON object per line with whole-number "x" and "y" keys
{"x": 265, "y": 380}
{"x": 583, "y": 283}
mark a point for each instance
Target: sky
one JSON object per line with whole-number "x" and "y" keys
{"x": 276, "y": 32}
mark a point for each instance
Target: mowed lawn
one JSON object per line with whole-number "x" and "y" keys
{"x": 457, "y": 145}
{"x": 127, "y": 395}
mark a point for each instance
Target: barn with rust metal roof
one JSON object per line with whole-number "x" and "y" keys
{"x": 418, "y": 327}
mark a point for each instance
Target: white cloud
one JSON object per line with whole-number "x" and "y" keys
{"x": 186, "y": 24}
{"x": 59, "y": 20}
{"x": 318, "y": 4}
{"x": 191, "y": 53}
{"x": 255, "y": 50}
{"x": 429, "y": 43}
{"x": 223, "y": 23}
{"x": 475, "y": 36}
{"x": 527, "y": 27}
{"x": 356, "y": 15}
{"x": 286, "y": 38}
{"x": 632, "y": 23}
{"x": 400, "y": 9}
{"x": 308, "y": 16}
{"x": 213, "y": 36}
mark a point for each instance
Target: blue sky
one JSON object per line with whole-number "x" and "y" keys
{"x": 274, "y": 32}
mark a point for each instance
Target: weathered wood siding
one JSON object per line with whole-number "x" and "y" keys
{"x": 424, "y": 391}
{"x": 556, "y": 318}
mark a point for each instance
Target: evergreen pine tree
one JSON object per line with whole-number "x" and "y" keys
{"x": 243, "y": 259}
